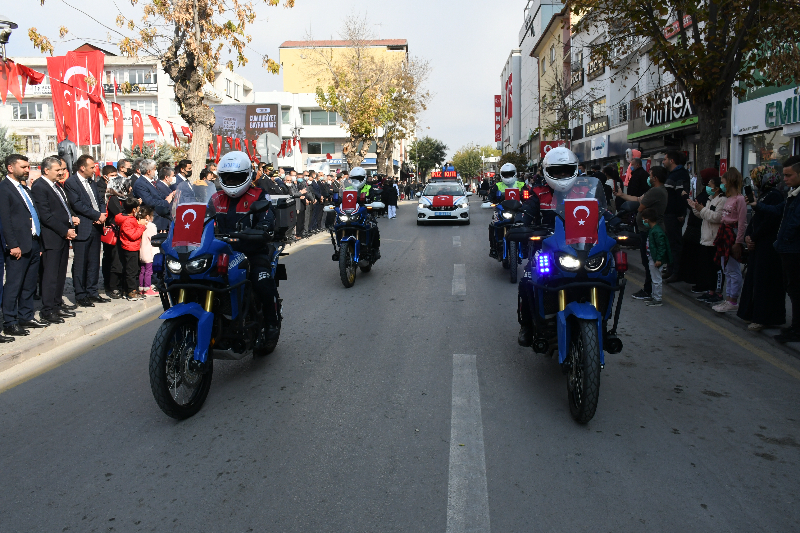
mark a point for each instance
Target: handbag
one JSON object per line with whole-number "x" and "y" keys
{"x": 110, "y": 234}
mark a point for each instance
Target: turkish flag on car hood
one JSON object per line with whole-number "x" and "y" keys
{"x": 441, "y": 201}
{"x": 188, "y": 228}
{"x": 580, "y": 221}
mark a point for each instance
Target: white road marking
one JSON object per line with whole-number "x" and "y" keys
{"x": 467, "y": 495}
{"x": 459, "y": 280}
{"x": 456, "y": 241}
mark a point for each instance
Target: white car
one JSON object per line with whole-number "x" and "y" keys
{"x": 443, "y": 202}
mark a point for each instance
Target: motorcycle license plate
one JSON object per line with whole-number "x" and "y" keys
{"x": 442, "y": 213}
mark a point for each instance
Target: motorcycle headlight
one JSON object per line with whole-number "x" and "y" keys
{"x": 593, "y": 264}
{"x": 569, "y": 262}
{"x": 201, "y": 264}
{"x": 508, "y": 216}
{"x": 344, "y": 218}
{"x": 174, "y": 266}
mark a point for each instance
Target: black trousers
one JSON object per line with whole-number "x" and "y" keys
{"x": 791, "y": 281}
{"x": 86, "y": 265}
{"x": 265, "y": 288}
{"x": 316, "y": 216}
{"x": 301, "y": 222}
{"x": 111, "y": 256}
{"x": 648, "y": 280}
{"x": 54, "y": 275}
{"x": 674, "y": 229}
{"x": 20, "y": 286}
{"x": 130, "y": 269}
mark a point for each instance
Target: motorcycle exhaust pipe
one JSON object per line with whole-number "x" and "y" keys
{"x": 540, "y": 345}
{"x": 612, "y": 344}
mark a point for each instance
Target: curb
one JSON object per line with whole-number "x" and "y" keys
{"x": 47, "y": 343}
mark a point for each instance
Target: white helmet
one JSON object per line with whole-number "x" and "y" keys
{"x": 508, "y": 174}
{"x": 235, "y": 173}
{"x": 560, "y": 168}
{"x": 358, "y": 176}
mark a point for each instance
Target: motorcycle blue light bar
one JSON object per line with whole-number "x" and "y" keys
{"x": 543, "y": 265}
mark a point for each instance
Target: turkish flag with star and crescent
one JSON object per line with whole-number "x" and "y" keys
{"x": 580, "y": 220}
{"x": 138, "y": 129}
{"x": 188, "y": 228}
{"x": 512, "y": 194}
{"x": 349, "y": 200}
{"x": 117, "y": 111}
{"x": 442, "y": 201}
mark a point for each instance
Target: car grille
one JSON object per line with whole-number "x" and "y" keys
{"x": 443, "y": 208}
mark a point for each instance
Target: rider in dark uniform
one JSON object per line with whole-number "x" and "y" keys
{"x": 234, "y": 200}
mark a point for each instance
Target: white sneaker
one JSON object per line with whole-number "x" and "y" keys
{"x": 725, "y": 306}
{"x": 755, "y": 327}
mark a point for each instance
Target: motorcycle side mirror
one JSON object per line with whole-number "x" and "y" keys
{"x": 419, "y": 194}
{"x": 158, "y": 239}
{"x": 259, "y": 206}
{"x": 486, "y": 205}
{"x": 327, "y": 208}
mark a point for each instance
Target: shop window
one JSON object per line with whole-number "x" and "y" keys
{"x": 321, "y": 148}
{"x": 770, "y": 148}
{"x": 319, "y": 118}
{"x": 285, "y": 115}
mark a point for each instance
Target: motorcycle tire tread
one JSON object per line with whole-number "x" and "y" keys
{"x": 587, "y": 329}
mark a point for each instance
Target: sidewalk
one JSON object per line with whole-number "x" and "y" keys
{"x": 684, "y": 290}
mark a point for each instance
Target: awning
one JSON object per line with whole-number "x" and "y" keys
{"x": 661, "y": 128}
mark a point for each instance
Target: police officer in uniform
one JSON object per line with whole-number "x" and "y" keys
{"x": 237, "y": 195}
{"x": 366, "y": 195}
{"x": 509, "y": 180}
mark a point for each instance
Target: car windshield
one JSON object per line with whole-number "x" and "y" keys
{"x": 443, "y": 189}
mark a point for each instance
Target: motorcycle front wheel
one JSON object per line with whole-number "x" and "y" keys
{"x": 178, "y": 390}
{"x": 583, "y": 378}
{"x": 513, "y": 254}
{"x": 347, "y": 265}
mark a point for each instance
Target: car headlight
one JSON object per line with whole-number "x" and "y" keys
{"x": 422, "y": 206}
{"x": 462, "y": 203}
{"x": 508, "y": 216}
{"x": 344, "y": 218}
{"x": 593, "y": 264}
{"x": 174, "y": 266}
{"x": 569, "y": 262}
{"x": 195, "y": 266}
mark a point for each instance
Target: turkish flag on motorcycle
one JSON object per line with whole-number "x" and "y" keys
{"x": 580, "y": 220}
{"x": 117, "y": 111}
{"x": 188, "y": 228}
{"x": 512, "y": 194}
{"x": 138, "y": 129}
{"x": 349, "y": 199}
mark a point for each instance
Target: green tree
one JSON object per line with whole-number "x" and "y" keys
{"x": 489, "y": 151}
{"x": 518, "y": 160}
{"x": 467, "y": 161}
{"x": 714, "y": 53}
{"x": 427, "y": 153}
{"x": 10, "y": 143}
{"x": 159, "y": 153}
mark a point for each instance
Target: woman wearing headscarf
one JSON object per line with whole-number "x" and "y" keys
{"x": 119, "y": 188}
{"x": 763, "y": 300}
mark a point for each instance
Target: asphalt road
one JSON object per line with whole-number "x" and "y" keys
{"x": 398, "y": 406}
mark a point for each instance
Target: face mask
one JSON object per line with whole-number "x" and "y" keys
{"x": 645, "y": 223}
{"x": 649, "y": 184}
{"x": 722, "y": 188}
{"x": 709, "y": 190}
{"x": 189, "y": 174}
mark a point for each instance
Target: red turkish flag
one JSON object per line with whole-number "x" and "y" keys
{"x": 63, "y": 109}
{"x": 441, "y": 201}
{"x": 219, "y": 148}
{"x": 28, "y": 76}
{"x": 211, "y": 150}
{"x": 188, "y": 227}
{"x": 186, "y": 131}
{"x": 84, "y": 71}
{"x": 512, "y": 194}
{"x": 9, "y": 81}
{"x": 138, "y": 129}
{"x": 174, "y": 134}
{"x": 349, "y": 199}
{"x": 116, "y": 109}
{"x": 580, "y": 220}
{"x": 255, "y": 151}
{"x": 156, "y": 125}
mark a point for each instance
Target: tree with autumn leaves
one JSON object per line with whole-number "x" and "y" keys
{"x": 719, "y": 53}
{"x": 190, "y": 38}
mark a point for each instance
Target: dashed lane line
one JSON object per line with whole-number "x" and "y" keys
{"x": 467, "y": 493}
{"x": 456, "y": 241}
{"x": 459, "y": 280}
{"x": 769, "y": 358}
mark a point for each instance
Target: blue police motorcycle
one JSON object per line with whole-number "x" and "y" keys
{"x": 569, "y": 291}
{"x": 512, "y": 225}
{"x": 209, "y": 308}
{"x": 352, "y": 237}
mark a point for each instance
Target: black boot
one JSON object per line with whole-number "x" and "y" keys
{"x": 267, "y": 341}
{"x": 525, "y": 337}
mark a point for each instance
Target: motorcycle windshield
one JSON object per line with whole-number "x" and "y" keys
{"x": 190, "y": 213}
{"x": 586, "y": 187}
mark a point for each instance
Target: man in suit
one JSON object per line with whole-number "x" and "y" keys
{"x": 57, "y": 230}
{"x": 146, "y": 188}
{"x": 166, "y": 176}
{"x": 3, "y": 338}
{"x": 135, "y": 174}
{"x": 184, "y": 173}
{"x": 90, "y": 209}
{"x": 125, "y": 167}
{"x": 21, "y": 233}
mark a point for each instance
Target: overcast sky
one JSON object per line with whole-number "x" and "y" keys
{"x": 466, "y": 42}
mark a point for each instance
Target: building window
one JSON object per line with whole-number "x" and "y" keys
{"x": 31, "y": 144}
{"x": 767, "y": 149}
{"x": 52, "y": 143}
{"x": 321, "y": 148}
{"x": 319, "y": 118}
{"x": 598, "y": 108}
{"x": 285, "y": 115}
{"x": 137, "y": 76}
{"x": 236, "y": 91}
{"x": 173, "y": 108}
{"x": 31, "y": 111}
{"x": 228, "y": 88}
{"x": 552, "y": 54}
{"x": 544, "y": 67}
{"x": 148, "y": 107}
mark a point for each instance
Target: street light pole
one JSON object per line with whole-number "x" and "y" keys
{"x": 5, "y": 32}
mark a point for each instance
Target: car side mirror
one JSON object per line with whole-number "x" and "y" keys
{"x": 419, "y": 194}
{"x": 469, "y": 194}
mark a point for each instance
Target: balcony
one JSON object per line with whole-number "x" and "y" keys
{"x": 567, "y": 51}
{"x": 618, "y": 114}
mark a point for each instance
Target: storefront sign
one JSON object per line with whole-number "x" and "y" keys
{"x": 509, "y": 98}
{"x": 674, "y": 29}
{"x": 767, "y": 112}
{"x": 498, "y": 111}
{"x": 598, "y": 125}
{"x": 576, "y": 80}
{"x": 667, "y": 109}
{"x": 577, "y": 133}
{"x": 546, "y": 146}
{"x": 781, "y": 112}
{"x": 600, "y": 147}
{"x": 596, "y": 68}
